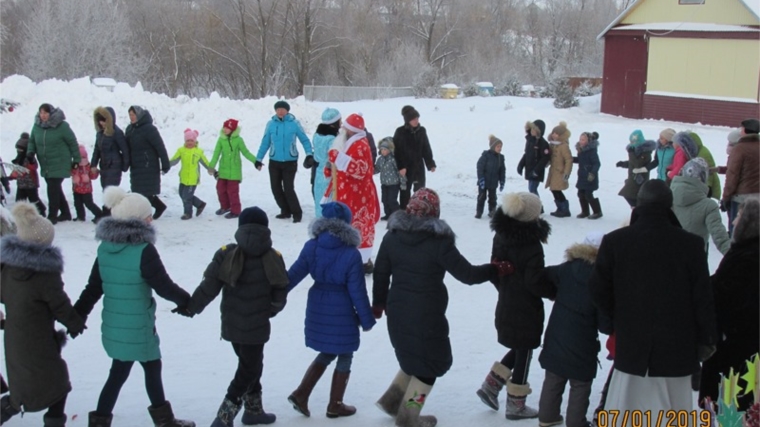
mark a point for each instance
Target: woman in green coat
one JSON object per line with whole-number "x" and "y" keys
{"x": 127, "y": 271}
{"x": 57, "y": 149}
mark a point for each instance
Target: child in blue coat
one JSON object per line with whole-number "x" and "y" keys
{"x": 338, "y": 304}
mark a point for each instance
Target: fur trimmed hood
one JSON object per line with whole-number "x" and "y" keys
{"x": 582, "y": 252}
{"x": 336, "y": 227}
{"x": 402, "y": 221}
{"x": 56, "y": 118}
{"x": 520, "y": 232}
{"x": 593, "y": 144}
{"x": 687, "y": 144}
{"x": 129, "y": 231}
{"x": 109, "y": 115}
{"x": 641, "y": 148}
{"x": 22, "y": 254}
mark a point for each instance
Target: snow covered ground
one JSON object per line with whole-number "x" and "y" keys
{"x": 198, "y": 365}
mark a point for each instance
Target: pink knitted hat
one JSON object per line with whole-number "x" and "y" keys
{"x": 191, "y": 135}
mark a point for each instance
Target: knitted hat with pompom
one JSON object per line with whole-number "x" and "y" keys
{"x": 524, "y": 207}
{"x": 31, "y": 226}
{"x": 125, "y": 205}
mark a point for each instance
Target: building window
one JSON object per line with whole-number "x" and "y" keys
{"x": 691, "y": 1}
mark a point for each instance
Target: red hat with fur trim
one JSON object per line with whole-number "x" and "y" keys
{"x": 354, "y": 123}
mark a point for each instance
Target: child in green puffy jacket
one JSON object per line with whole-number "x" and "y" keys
{"x": 228, "y": 149}
{"x": 191, "y": 158}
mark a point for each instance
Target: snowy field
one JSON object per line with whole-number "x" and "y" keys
{"x": 198, "y": 365}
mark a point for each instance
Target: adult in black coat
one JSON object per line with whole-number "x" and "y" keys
{"x": 664, "y": 323}
{"x": 148, "y": 157}
{"x": 571, "y": 341}
{"x": 413, "y": 153}
{"x": 416, "y": 252}
{"x": 520, "y": 310}
{"x": 736, "y": 291}
{"x": 252, "y": 278}
{"x": 537, "y": 155}
{"x": 111, "y": 154}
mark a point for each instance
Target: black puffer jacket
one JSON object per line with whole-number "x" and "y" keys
{"x": 571, "y": 341}
{"x": 111, "y": 154}
{"x": 413, "y": 152}
{"x": 148, "y": 157}
{"x": 660, "y": 320}
{"x": 537, "y": 153}
{"x": 520, "y": 310}
{"x": 247, "y": 304}
{"x": 491, "y": 168}
{"x": 416, "y": 253}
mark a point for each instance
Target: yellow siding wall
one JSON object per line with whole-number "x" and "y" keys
{"x": 727, "y": 12}
{"x": 724, "y": 68}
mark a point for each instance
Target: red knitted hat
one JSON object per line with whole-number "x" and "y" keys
{"x": 231, "y": 124}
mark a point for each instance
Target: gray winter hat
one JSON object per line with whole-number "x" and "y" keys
{"x": 696, "y": 168}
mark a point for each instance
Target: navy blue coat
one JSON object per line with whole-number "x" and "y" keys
{"x": 491, "y": 167}
{"x": 148, "y": 157}
{"x": 571, "y": 341}
{"x": 111, "y": 154}
{"x": 588, "y": 162}
{"x": 338, "y": 303}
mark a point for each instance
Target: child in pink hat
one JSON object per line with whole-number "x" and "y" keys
{"x": 81, "y": 178}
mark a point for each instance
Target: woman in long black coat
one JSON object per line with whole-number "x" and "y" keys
{"x": 520, "y": 311}
{"x": 417, "y": 251}
{"x": 736, "y": 293}
{"x": 148, "y": 157}
{"x": 111, "y": 154}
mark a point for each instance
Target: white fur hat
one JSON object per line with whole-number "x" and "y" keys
{"x": 31, "y": 226}
{"x": 524, "y": 207}
{"x": 125, "y": 205}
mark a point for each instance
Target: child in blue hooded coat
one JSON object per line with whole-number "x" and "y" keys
{"x": 338, "y": 304}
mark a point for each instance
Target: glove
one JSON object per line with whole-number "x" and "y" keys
{"x": 377, "y": 311}
{"x": 621, "y": 164}
{"x": 258, "y": 165}
{"x": 591, "y": 177}
{"x": 183, "y": 311}
{"x": 566, "y": 178}
{"x": 705, "y": 351}
{"x": 501, "y": 187}
{"x": 640, "y": 170}
{"x": 482, "y": 183}
{"x": 724, "y": 205}
{"x": 308, "y": 162}
{"x": 505, "y": 268}
{"x": 73, "y": 333}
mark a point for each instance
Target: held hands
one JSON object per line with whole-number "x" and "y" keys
{"x": 73, "y": 333}
{"x": 182, "y": 310}
{"x": 724, "y": 205}
{"x": 377, "y": 311}
{"x": 258, "y": 165}
{"x": 505, "y": 268}
{"x": 308, "y": 162}
{"x": 620, "y": 164}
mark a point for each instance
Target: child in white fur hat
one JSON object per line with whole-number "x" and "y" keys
{"x": 127, "y": 271}
{"x": 34, "y": 300}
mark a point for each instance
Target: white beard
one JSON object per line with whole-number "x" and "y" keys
{"x": 340, "y": 140}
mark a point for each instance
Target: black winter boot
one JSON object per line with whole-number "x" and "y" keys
{"x": 158, "y": 205}
{"x": 163, "y": 416}
{"x": 584, "y": 206}
{"x": 54, "y": 421}
{"x": 254, "y": 410}
{"x": 225, "y": 416}
{"x": 96, "y": 420}
{"x": 596, "y": 207}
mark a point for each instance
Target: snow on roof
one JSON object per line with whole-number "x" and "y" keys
{"x": 528, "y": 88}
{"x": 687, "y": 26}
{"x": 484, "y": 84}
{"x": 752, "y": 5}
{"x": 449, "y": 86}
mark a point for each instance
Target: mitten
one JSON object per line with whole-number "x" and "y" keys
{"x": 308, "y": 162}
{"x": 705, "y": 351}
{"x": 504, "y": 268}
{"x": 377, "y": 311}
{"x": 482, "y": 183}
{"x": 724, "y": 205}
{"x": 591, "y": 177}
{"x": 258, "y": 164}
{"x": 621, "y": 165}
{"x": 183, "y": 311}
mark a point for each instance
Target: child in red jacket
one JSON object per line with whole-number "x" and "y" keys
{"x": 81, "y": 178}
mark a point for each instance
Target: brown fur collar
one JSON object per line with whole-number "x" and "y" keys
{"x": 582, "y": 252}
{"x": 108, "y": 129}
{"x": 753, "y": 137}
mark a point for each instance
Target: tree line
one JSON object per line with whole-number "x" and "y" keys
{"x": 256, "y": 48}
